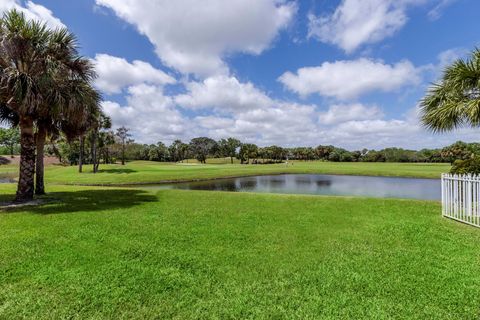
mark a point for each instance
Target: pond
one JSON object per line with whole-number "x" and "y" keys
{"x": 339, "y": 185}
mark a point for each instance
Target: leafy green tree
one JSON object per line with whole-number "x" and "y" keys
{"x": 458, "y": 151}
{"x": 454, "y": 101}
{"x": 323, "y": 152}
{"x": 202, "y": 147}
{"x": 178, "y": 150}
{"x": 248, "y": 151}
{"x": 123, "y": 133}
{"x": 158, "y": 152}
{"x": 228, "y": 147}
{"x": 9, "y": 138}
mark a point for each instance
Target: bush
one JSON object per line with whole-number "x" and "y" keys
{"x": 471, "y": 166}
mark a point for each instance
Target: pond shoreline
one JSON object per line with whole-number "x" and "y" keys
{"x": 162, "y": 182}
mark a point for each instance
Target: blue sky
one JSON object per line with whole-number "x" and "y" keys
{"x": 348, "y": 73}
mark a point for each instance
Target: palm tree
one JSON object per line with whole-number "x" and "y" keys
{"x": 70, "y": 96}
{"x": 123, "y": 134}
{"x": 79, "y": 111}
{"x": 23, "y": 70}
{"x": 454, "y": 102}
{"x": 42, "y": 84}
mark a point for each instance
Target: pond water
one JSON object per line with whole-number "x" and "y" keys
{"x": 4, "y": 179}
{"x": 342, "y": 185}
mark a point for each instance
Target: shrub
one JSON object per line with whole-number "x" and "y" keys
{"x": 471, "y": 166}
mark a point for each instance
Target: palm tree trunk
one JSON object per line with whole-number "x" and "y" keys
{"x": 39, "y": 173}
{"x": 80, "y": 156}
{"x": 25, "y": 186}
{"x": 94, "y": 151}
{"x": 123, "y": 153}
{"x": 11, "y": 150}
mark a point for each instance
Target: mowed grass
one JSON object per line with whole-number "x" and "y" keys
{"x": 115, "y": 253}
{"x": 138, "y": 172}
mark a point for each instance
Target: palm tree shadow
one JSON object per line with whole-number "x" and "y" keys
{"x": 89, "y": 200}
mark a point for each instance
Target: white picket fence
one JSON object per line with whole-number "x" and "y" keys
{"x": 461, "y": 198}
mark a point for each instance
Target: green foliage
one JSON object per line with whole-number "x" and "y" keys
{"x": 460, "y": 151}
{"x": 454, "y": 102}
{"x": 468, "y": 166}
{"x": 10, "y": 139}
{"x": 202, "y": 147}
{"x": 228, "y": 147}
{"x": 248, "y": 151}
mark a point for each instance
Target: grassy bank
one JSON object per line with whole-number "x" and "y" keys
{"x": 156, "y": 172}
{"x": 116, "y": 253}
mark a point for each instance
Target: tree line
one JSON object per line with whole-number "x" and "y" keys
{"x": 117, "y": 146}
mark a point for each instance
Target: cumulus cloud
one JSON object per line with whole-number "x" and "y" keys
{"x": 194, "y": 36}
{"x": 343, "y": 113}
{"x": 150, "y": 114}
{"x": 32, "y": 11}
{"x": 349, "y": 79}
{"x": 115, "y": 73}
{"x": 224, "y": 94}
{"x": 358, "y": 22}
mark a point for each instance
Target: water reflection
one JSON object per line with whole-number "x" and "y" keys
{"x": 380, "y": 187}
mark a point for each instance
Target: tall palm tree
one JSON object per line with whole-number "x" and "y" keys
{"x": 43, "y": 82}
{"x": 23, "y": 70}
{"x": 80, "y": 106}
{"x": 454, "y": 102}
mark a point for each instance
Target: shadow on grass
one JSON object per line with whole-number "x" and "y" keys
{"x": 117, "y": 170}
{"x": 87, "y": 200}
{"x": 4, "y": 160}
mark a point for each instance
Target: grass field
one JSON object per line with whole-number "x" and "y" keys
{"x": 132, "y": 253}
{"x": 156, "y": 172}
{"x": 107, "y": 253}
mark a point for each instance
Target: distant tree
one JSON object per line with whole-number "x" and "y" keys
{"x": 373, "y": 156}
{"x": 202, "y": 147}
{"x": 178, "y": 150}
{"x": 10, "y": 138}
{"x": 323, "y": 152}
{"x": 96, "y": 134}
{"x": 228, "y": 147}
{"x": 158, "y": 152}
{"x": 457, "y": 151}
{"x": 454, "y": 102}
{"x": 248, "y": 151}
{"x": 124, "y": 135}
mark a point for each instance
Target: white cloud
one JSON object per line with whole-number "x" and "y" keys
{"x": 115, "y": 73}
{"x": 351, "y": 78}
{"x": 194, "y": 36}
{"x": 447, "y": 57}
{"x": 343, "y": 113}
{"x": 32, "y": 11}
{"x": 437, "y": 11}
{"x": 224, "y": 94}
{"x": 356, "y": 22}
{"x": 150, "y": 114}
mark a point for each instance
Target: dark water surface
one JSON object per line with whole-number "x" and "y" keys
{"x": 341, "y": 185}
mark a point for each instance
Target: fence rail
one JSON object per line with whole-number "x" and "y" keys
{"x": 461, "y": 198}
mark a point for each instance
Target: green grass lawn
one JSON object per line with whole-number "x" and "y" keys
{"x": 111, "y": 253}
{"x": 156, "y": 172}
